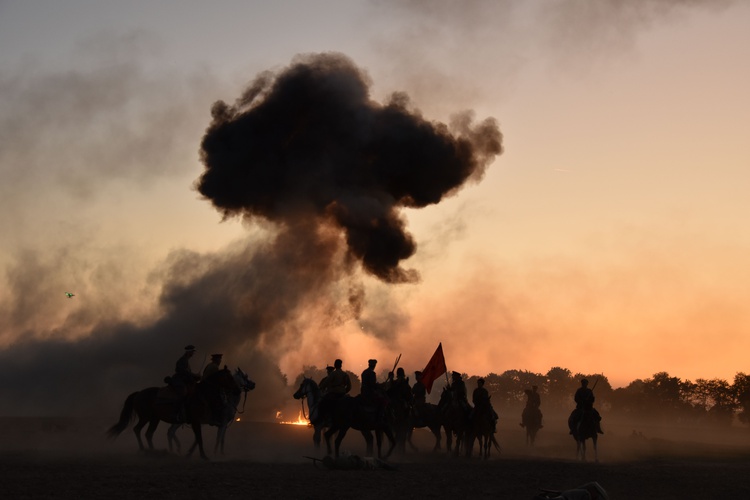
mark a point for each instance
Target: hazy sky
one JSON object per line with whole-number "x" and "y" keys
{"x": 609, "y": 236}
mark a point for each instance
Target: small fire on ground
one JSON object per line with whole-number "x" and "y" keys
{"x": 301, "y": 420}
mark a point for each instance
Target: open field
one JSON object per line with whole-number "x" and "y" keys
{"x": 70, "y": 458}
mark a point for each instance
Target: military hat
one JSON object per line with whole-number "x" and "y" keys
{"x": 329, "y": 368}
{"x": 371, "y": 361}
{"x": 456, "y": 374}
{"x": 216, "y": 356}
{"x": 417, "y": 373}
{"x": 190, "y": 347}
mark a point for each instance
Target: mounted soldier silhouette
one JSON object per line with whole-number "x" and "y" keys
{"x": 455, "y": 410}
{"x": 531, "y": 417}
{"x": 339, "y": 412}
{"x": 585, "y": 422}
{"x": 483, "y": 421}
{"x": 424, "y": 414}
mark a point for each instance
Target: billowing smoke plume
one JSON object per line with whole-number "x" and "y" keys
{"x": 310, "y": 145}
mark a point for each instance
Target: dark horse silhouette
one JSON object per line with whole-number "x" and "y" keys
{"x": 150, "y": 409}
{"x": 455, "y": 417}
{"x": 531, "y": 420}
{"x": 426, "y": 415}
{"x": 341, "y": 414}
{"x": 309, "y": 390}
{"x": 483, "y": 429}
{"x": 583, "y": 426}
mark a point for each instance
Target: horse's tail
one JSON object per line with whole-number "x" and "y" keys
{"x": 126, "y": 415}
{"x": 495, "y": 443}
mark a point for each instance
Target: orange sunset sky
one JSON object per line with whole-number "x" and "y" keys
{"x": 610, "y": 235}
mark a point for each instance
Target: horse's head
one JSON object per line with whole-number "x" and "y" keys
{"x": 306, "y": 388}
{"x": 243, "y": 381}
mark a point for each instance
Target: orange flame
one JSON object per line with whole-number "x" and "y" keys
{"x": 301, "y": 420}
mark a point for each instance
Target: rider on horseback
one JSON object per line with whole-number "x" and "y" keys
{"x": 370, "y": 392}
{"x": 337, "y": 386}
{"x": 584, "y": 398}
{"x": 324, "y": 382}
{"x": 217, "y": 399}
{"x": 183, "y": 381}
{"x": 531, "y": 411}
{"x": 481, "y": 399}
{"x": 458, "y": 392}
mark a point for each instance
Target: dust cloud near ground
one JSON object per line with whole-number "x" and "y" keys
{"x": 71, "y": 458}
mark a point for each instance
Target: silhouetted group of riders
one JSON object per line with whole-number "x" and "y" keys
{"x": 384, "y": 398}
{"x": 184, "y": 380}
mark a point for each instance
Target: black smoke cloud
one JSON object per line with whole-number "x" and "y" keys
{"x": 310, "y": 144}
{"x": 323, "y": 171}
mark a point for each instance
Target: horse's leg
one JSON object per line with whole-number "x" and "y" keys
{"x": 392, "y": 441}
{"x": 408, "y": 440}
{"x": 438, "y": 437}
{"x": 379, "y": 441}
{"x": 219, "y": 446}
{"x": 152, "y": 425}
{"x": 596, "y": 452}
{"x": 198, "y": 442}
{"x": 328, "y": 435}
{"x": 137, "y": 430}
{"x": 448, "y": 439}
{"x": 368, "y": 439}
{"x": 172, "y": 437}
{"x": 316, "y": 437}
{"x": 340, "y": 438}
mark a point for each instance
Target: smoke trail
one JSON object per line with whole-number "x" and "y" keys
{"x": 309, "y": 144}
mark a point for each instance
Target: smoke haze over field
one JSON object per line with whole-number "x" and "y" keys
{"x": 613, "y": 224}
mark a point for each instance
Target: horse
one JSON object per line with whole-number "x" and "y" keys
{"x": 223, "y": 415}
{"x": 151, "y": 409}
{"x": 426, "y": 415}
{"x": 531, "y": 421}
{"x": 356, "y": 413}
{"x": 456, "y": 423}
{"x": 341, "y": 414}
{"x": 483, "y": 428}
{"x": 309, "y": 390}
{"x": 243, "y": 385}
{"x": 583, "y": 426}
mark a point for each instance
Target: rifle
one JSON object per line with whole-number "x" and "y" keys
{"x": 396, "y": 364}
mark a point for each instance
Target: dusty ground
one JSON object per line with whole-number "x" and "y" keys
{"x": 70, "y": 458}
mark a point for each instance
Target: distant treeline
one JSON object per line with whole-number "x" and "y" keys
{"x": 660, "y": 398}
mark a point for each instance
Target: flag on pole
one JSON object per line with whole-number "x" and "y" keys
{"x": 435, "y": 367}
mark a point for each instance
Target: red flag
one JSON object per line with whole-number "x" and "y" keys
{"x": 434, "y": 368}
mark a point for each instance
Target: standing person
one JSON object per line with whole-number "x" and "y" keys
{"x": 212, "y": 367}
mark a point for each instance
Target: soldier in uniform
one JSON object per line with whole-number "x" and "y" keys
{"x": 458, "y": 391}
{"x": 531, "y": 410}
{"x": 183, "y": 380}
{"x": 369, "y": 381}
{"x": 419, "y": 393}
{"x": 212, "y": 367}
{"x": 584, "y": 398}
{"x": 481, "y": 399}
{"x": 338, "y": 381}
{"x": 323, "y": 385}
